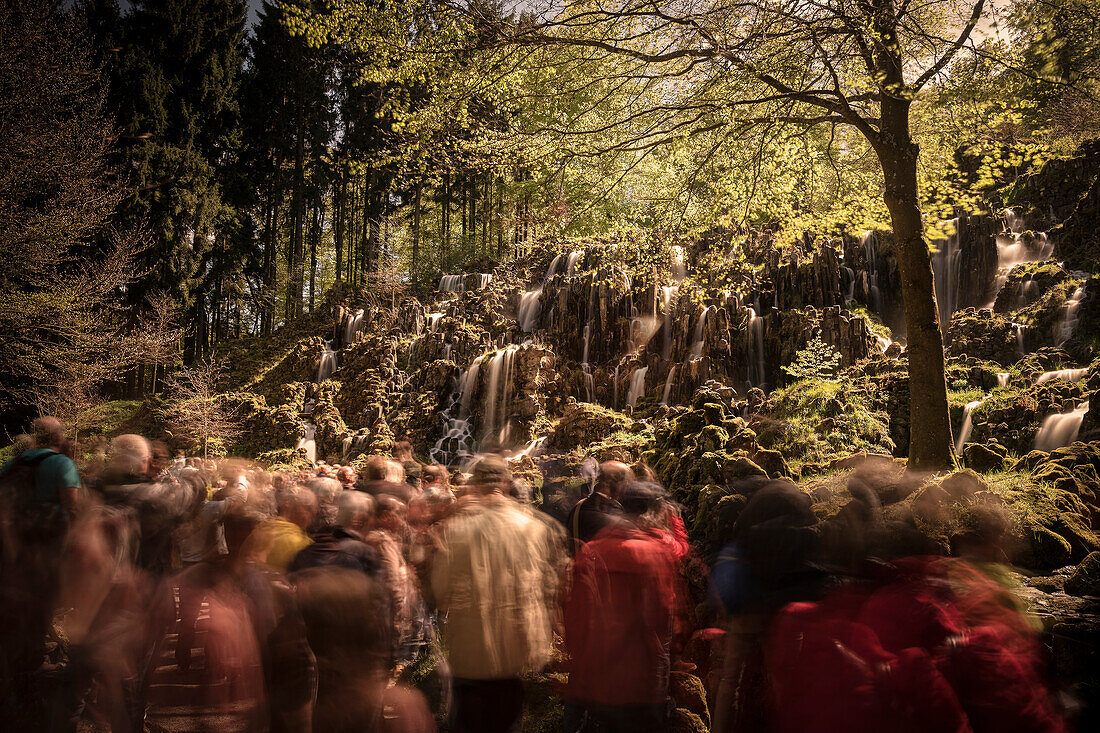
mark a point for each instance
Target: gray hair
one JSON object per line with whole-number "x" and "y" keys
{"x": 353, "y": 507}
{"x": 130, "y": 453}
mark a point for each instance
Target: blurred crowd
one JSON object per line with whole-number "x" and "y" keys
{"x": 193, "y": 594}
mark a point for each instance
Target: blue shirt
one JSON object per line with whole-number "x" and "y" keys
{"x": 55, "y": 472}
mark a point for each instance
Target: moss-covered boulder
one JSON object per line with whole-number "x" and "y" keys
{"x": 816, "y": 421}
{"x": 263, "y": 428}
{"x": 1085, "y": 580}
{"x": 584, "y": 423}
{"x": 985, "y": 456}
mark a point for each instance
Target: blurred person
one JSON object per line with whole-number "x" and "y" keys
{"x": 346, "y": 476}
{"x": 435, "y": 477}
{"x": 925, "y": 643}
{"x": 347, "y": 620}
{"x": 600, "y": 508}
{"x": 127, "y": 468}
{"x": 403, "y": 453}
{"x": 412, "y": 471}
{"x": 494, "y": 576}
{"x": 326, "y": 490}
{"x": 622, "y": 611}
{"x": 40, "y": 492}
{"x": 158, "y": 460}
{"x": 380, "y": 476}
{"x": 43, "y": 458}
{"x": 284, "y": 536}
{"x": 340, "y": 544}
{"x": 257, "y": 671}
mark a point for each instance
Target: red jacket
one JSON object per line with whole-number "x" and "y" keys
{"x": 620, "y": 616}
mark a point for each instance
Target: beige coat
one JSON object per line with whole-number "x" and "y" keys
{"x": 495, "y": 575}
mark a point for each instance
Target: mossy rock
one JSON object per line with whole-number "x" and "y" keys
{"x": 584, "y": 423}
{"x": 1085, "y": 580}
{"x": 985, "y": 457}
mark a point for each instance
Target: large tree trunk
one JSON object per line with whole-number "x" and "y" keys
{"x": 930, "y": 442}
{"x": 338, "y": 222}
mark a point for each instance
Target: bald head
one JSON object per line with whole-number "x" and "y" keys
{"x": 613, "y": 479}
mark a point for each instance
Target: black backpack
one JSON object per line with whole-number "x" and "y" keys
{"x": 23, "y": 518}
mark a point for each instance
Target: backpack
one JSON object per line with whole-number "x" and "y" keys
{"x": 24, "y": 519}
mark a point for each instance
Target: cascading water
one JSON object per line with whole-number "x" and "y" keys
{"x": 351, "y": 326}
{"x": 1067, "y": 318}
{"x": 327, "y": 365}
{"x": 452, "y": 284}
{"x": 1002, "y": 379}
{"x": 946, "y": 266}
{"x": 698, "y": 336}
{"x": 433, "y": 321}
{"x": 676, "y": 257}
{"x": 1069, "y": 375}
{"x": 309, "y": 442}
{"x": 637, "y": 387}
{"x": 669, "y": 380}
{"x": 668, "y": 296}
{"x": 457, "y": 432}
{"x": 967, "y": 424}
{"x": 1061, "y": 429}
{"x": 571, "y": 262}
{"x": 754, "y": 346}
{"x": 869, "y": 248}
{"x": 495, "y": 419}
{"x": 530, "y": 304}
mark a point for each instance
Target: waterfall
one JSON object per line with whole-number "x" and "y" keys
{"x": 433, "y": 321}
{"x": 351, "y": 326}
{"x": 1020, "y": 330}
{"x": 637, "y": 386}
{"x": 883, "y": 342}
{"x": 754, "y": 346}
{"x": 946, "y": 264}
{"x": 589, "y": 382}
{"x": 530, "y": 306}
{"x": 1002, "y": 379}
{"x": 327, "y": 365}
{"x": 1060, "y": 429}
{"x": 1069, "y": 375}
{"x": 676, "y": 258}
{"x": 498, "y": 390}
{"x": 668, "y": 385}
{"x": 587, "y": 335}
{"x": 615, "y": 381}
{"x": 698, "y": 337}
{"x": 309, "y": 442}
{"x": 850, "y": 274}
{"x": 967, "y": 425}
{"x": 468, "y": 384}
{"x": 354, "y": 445}
{"x": 1067, "y": 318}
{"x": 571, "y": 262}
{"x": 457, "y": 433}
{"x": 668, "y": 294}
{"x": 452, "y": 284}
{"x": 868, "y": 242}
{"x": 530, "y": 303}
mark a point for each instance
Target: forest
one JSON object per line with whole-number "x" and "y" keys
{"x": 851, "y": 245}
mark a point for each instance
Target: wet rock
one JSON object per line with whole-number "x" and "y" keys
{"x": 1085, "y": 580}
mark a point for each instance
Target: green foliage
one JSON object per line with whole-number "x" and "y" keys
{"x": 817, "y": 360}
{"x": 816, "y": 420}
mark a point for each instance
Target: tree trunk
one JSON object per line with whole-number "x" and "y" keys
{"x": 930, "y": 441}
{"x": 338, "y": 222}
